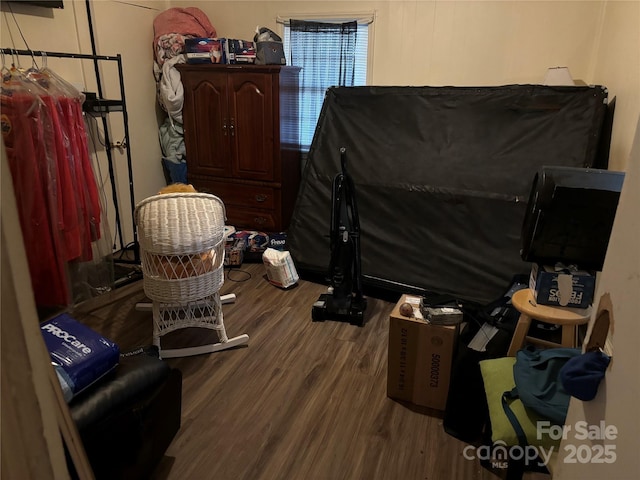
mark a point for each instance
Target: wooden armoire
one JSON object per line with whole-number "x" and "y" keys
{"x": 241, "y": 136}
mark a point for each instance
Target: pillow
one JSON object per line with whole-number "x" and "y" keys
{"x": 497, "y": 375}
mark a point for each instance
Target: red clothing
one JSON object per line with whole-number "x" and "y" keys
{"x": 56, "y": 191}
{"x": 29, "y": 142}
{"x": 68, "y": 218}
{"x": 92, "y": 197}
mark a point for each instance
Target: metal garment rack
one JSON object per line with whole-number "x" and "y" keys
{"x": 101, "y": 107}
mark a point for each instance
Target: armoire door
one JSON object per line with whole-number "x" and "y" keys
{"x": 208, "y": 129}
{"x": 253, "y": 129}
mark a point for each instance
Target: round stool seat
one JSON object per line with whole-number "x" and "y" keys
{"x": 568, "y": 318}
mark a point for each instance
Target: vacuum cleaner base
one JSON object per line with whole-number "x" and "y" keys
{"x": 346, "y": 310}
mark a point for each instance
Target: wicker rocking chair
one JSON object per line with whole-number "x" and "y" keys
{"x": 182, "y": 239}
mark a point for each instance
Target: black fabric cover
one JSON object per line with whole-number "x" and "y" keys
{"x": 442, "y": 177}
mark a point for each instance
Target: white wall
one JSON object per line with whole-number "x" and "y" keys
{"x": 477, "y": 43}
{"x": 124, "y": 28}
{"x": 616, "y": 403}
{"x": 132, "y": 23}
{"x": 446, "y": 42}
{"x": 414, "y": 43}
{"x": 617, "y": 65}
{"x": 420, "y": 43}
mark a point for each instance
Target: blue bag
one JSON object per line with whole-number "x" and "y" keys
{"x": 537, "y": 378}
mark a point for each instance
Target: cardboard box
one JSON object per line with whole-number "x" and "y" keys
{"x": 420, "y": 358}
{"x": 257, "y": 242}
{"x": 205, "y": 50}
{"x": 562, "y": 287}
{"x": 240, "y": 51}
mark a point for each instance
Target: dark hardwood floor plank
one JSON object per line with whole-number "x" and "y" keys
{"x": 303, "y": 400}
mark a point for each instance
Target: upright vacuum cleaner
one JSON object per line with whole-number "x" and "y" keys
{"x": 344, "y": 300}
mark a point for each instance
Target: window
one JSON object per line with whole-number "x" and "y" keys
{"x": 331, "y": 54}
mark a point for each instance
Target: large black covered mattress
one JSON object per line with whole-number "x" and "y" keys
{"x": 442, "y": 177}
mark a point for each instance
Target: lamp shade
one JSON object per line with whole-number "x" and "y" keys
{"x": 558, "y": 76}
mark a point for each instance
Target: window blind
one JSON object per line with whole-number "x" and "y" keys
{"x": 321, "y": 66}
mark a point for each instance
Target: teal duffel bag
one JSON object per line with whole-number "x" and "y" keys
{"x": 536, "y": 374}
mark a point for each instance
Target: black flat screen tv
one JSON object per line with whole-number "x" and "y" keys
{"x": 570, "y": 215}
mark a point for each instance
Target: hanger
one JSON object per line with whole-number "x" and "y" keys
{"x": 38, "y": 76}
{"x": 34, "y": 64}
{"x": 16, "y": 72}
{"x": 16, "y": 80}
{"x": 11, "y": 76}
{"x": 4, "y": 70}
{"x": 65, "y": 87}
{"x": 15, "y": 61}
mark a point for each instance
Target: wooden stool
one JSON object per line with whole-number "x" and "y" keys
{"x": 568, "y": 318}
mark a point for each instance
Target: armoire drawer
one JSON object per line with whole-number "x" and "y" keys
{"x": 250, "y": 196}
{"x": 246, "y": 218}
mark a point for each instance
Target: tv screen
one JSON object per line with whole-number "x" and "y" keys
{"x": 570, "y": 215}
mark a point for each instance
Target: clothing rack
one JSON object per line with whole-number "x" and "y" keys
{"x": 102, "y": 106}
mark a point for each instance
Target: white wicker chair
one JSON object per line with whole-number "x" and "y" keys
{"x": 182, "y": 239}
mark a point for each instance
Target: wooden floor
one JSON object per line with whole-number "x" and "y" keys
{"x": 304, "y": 400}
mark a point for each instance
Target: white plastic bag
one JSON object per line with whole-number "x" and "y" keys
{"x": 281, "y": 271}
